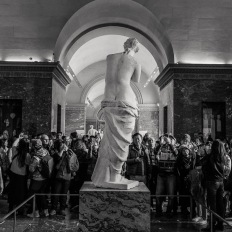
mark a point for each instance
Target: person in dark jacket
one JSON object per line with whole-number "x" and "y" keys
{"x": 83, "y": 156}
{"x": 166, "y": 179}
{"x": 38, "y": 181}
{"x": 138, "y": 161}
{"x": 185, "y": 163}
{"x": 65, "y": 161}
{"x": 213, "y": 169}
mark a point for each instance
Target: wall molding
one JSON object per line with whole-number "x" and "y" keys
{"x": 35, "y": 70}
{"x": 194, "y": 71}
{"x": 76, "y": 106}
{"x": 148, "y": 107}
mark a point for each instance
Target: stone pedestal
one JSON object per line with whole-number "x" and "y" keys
{"x": 114, "y": 210}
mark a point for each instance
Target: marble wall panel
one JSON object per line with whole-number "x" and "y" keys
{"x": 188, "y": 98}
{"x": 31, "y": 82}
{"x": 149, "y": 121}
{"x": 36, "y": 100}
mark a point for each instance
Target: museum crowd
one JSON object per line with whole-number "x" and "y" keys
{"x": 59, "y": 164}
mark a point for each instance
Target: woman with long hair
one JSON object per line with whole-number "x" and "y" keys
{"x": 18, "y": 173}
{"x": 214, "y": 171}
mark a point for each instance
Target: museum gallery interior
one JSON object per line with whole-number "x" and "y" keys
{"x": 53, "y": 68}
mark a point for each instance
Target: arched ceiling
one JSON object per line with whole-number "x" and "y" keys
{"x": 96, "y": 92}
{"x": 95, "y": 51}
{"x": 186, "y": 31}
{"x": 98, "y": 48}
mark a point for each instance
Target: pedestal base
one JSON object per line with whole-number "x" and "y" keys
{"x": 124, "y": 185}
{"x": 114, "y": 210}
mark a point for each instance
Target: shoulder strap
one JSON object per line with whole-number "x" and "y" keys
{"x": 14, "y": 157}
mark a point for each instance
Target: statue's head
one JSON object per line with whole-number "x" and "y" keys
{"x": 130, "y": 44}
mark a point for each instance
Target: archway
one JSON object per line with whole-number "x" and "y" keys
{"x": 100, "y": 16}
{"x": 100, "y": 28}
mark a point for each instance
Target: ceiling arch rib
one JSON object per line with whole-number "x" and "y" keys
{"x": 99, "y": 13}
{"x": 98, "y": 48}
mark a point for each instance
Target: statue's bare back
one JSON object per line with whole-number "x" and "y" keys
{"x": 121, "y": 69}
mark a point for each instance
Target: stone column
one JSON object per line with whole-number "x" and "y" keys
{"x": 75, "y": 118}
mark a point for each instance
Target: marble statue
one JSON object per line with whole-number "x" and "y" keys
{"x": 119, "y": 110}
{"x": 92, "y": 131}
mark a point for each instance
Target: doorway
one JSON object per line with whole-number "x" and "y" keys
{"x": 214, "y": 120}
{"x": 11, "y": 116}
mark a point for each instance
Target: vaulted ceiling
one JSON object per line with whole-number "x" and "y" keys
{"x": 184, "y": 31}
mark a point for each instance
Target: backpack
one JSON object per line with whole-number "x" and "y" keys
{"x": 44, "y": 166}
{"x": 73, "y": 161}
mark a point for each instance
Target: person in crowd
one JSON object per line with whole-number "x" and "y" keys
{"x": 227, "y": 170}
{"x": 91, "y": 142}
{"x": 98, "y": 138}
{"x": 67, "y": 141}
{"x": 18, "y": 172}
{"x": 167, "y": 175}
{"x": 5, "y": 135}
{"x": 85, "y": 139}
{"x": 227, "y": 148}
{"x": 138, "y": 161}
{"x": 227, "y": 167}
{"x": 228, "y": 196}
{"x": 210, "y": 139}
{"x": 65, "y": 163}
{"x": 81, "y": 176}
{"x": 40, "y": 178}
{"x": 154, "y": 166}
{"x": 73, "y": 137}
{"x": 145, "y": 139}
{"x": 196, "y": 182}
{"x": 157, "y": 146}
{"x": 208, "y": 146}
{"x": 198, "y": 191}
{"x": 46, "y": 145}
{"x": 173, "y": 140}
{"x": 100, "y": 133}
{"x": 45, "y": 142}
{"x": 213, "y": 170}
{"x": 1, "y": 182}
{"x": 53, "y": 137}
{"x": 93, "y": 155}
{"x": 59, "y": 135}
{"x": 185, "y": 162}
{"x": 4, "y": 159}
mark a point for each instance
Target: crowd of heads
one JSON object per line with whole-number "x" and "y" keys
{"x": 160, "y": 162}
{"x": 20, "y": 164}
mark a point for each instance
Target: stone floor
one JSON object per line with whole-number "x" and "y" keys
{"x": 69, "y": 223}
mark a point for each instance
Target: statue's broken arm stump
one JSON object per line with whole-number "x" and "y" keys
{"x": 114, "y": 210}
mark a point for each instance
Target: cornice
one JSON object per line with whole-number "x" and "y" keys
{"x": 194, "y": 71}
{"x": 35, "y": 69}
{"x": 148, "y": 107}
{"x": 73, "y": 107}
